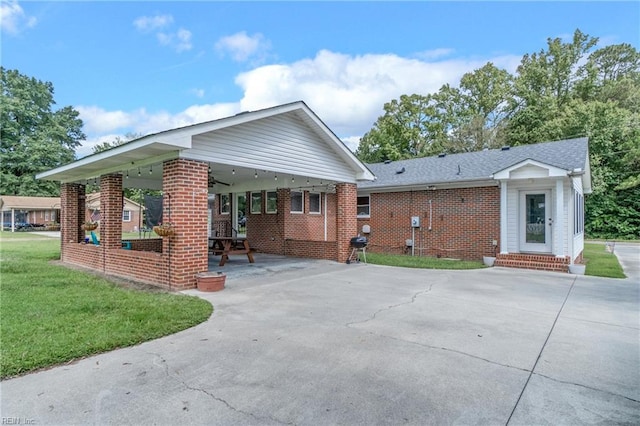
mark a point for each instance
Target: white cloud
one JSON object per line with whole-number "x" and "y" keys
{"x": 151, "y": 23}
{"x": 347, "y": 92}
{"x": 180, "y": 40}
{"x": 13, "y": 19}
{"x": 434, "y": 54}
{"x": 241, "y": 47}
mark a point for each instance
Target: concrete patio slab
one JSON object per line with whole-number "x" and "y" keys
{"x": 362, "y": 344}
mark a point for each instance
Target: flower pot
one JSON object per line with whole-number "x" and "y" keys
{"x": 90, "y": 226}
{"x": 211, "y": 281}
{"x": 488, "y": 260}
{"x": 163, "y": 231}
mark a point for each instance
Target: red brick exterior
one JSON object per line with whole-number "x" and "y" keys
{"x": 464, "y": 222}
{"x": 539, "y": 262}
{"x": 185, "y": 207}
{"x": 346, "y": 222}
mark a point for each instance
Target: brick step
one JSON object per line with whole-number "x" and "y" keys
{"x": 531, "y": 263}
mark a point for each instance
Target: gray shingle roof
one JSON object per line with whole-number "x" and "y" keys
{"x": 567, "y": 154}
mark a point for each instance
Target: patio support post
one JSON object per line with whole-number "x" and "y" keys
{"x": 559, "y": 220}
{"x": 346, "y": 218}
{"x": 503, "y": 218}
{"x": 72, "y": 205}
{"x": 111, "y": 204}
{"x": 184, "y": 184}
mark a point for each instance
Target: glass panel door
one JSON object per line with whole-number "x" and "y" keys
{"x": 240, "y": 215}
{"x": 535, "y": 228}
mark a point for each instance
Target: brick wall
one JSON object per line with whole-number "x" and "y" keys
{"x": 346, "y": 221}
{"x": 464, "y": 222}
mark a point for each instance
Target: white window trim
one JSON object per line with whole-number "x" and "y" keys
{"x": 319, "y": 203}
{"x": 364, "y": 216}
{"x": 266, "y": 199}
{"x": 302, "y": 206}
{"x": 251, "y": 201}
{"x": 220, "y": 204}
{"x": 123, "y": 218}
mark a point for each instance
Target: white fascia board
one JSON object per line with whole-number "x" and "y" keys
{"x": 504, "y": 174}
{"x": 122, "y": 150}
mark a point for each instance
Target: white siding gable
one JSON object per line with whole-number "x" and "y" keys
{"x": 281, "y": 144}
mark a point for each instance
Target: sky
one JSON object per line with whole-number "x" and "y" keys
{"x": 148, "y": 66}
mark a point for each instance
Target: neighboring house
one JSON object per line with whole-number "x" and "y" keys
{"x": 523, "y": 205}
{"x": 132, "y": 212}
{"x": 20, "y": 212}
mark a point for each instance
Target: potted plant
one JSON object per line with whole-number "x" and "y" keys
{"x": 164, "y": 230}
{"x": 211, "y": 281}
{"x": 90, "y": 225}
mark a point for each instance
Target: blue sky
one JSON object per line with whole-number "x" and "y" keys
{"x": 148, "y": 66}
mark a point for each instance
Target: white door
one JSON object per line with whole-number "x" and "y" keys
{"x": 240, "y": 214}
{"x": 535, "y": 221}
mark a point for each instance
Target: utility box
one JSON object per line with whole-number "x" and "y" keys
{"x": 415, "y": 221}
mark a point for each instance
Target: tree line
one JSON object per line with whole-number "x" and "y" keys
{"x": 566, "y": 90}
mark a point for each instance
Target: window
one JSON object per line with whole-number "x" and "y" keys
{"x": 225, "y": 204}
{"x": 272, "y": 202}
{"x": 126, "y": 215}
{"x": 363, "y": 206}
{"x": 314, "y": 203}
{"x": 297, "y": 202}
{"x": 256, "y": 202}
{"x": 578, "y": 214}
{"x": 46, "y": 215}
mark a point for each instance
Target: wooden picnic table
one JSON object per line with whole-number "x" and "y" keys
{"x": 226, "y": 246}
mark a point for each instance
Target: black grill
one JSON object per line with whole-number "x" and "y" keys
{"x": 359, "y": 242}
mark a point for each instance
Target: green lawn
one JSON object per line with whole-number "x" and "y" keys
{"x": 421, "y": 262}
{"x": 50, "y": 314}
{"x": 601, "y": 263}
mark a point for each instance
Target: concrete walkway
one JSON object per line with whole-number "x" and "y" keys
{"x": 366, "y": 345}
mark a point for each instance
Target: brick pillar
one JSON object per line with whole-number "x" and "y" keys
{"x": 346, "y": 218}
{"x": 184, "y": 184}
{"x": 111, "y": 205}
{"x": 72, "y": 212}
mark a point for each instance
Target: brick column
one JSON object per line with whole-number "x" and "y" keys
{"x": 184, "y": 184}
{"x": 72, "y": 212}
{"x": 111, "y": 205}
{"x": 346, "y": 218}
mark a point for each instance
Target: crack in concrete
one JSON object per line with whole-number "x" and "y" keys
{"x": 586, "y": 387}
{"x": 165, "y": 367}
{"x": 413, "y": 299}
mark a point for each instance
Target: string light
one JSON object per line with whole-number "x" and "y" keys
{"x": 233, "y": 171}
{"x": 293, "y": 179}
{"x": 255, "y": 174}
{"x": 127, "y": 177}
{"x": 275, "y": 177}
{"x": 138, "y": 171}
{"x": 150, "y": 170}
{"x": 307, "y": 181}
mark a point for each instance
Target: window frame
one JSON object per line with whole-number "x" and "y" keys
{"x": 255, "y": 207}
{"x": 221, "y": 203}
{"x": 319, "y": 211}
{"x": 266, "y": 207}
{"x": 126, "y": 213}
{"x": 301, "y": 211}
{"x": 359, "y": 205}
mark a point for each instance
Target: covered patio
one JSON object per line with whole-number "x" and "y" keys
{"x": 297, "y": 179}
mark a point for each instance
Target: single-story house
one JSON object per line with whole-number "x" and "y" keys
{"x": 281, "y": 178}
{"x": 291, "y": 177}
{"x": 20, "y": 212}
{"x": 523, "y": 205}
{"x": 132, "y": 212}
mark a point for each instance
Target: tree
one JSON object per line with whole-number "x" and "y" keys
{"x": 33, "y": 137}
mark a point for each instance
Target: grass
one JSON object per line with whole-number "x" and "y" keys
{"x": 421, "y": 262}
{"x": 601, "y": 263}
{"x": 50, "y": 314}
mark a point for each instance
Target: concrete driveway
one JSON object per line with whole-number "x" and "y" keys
{"x": 363, "y": 345}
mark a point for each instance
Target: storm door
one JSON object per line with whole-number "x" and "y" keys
{"x": 535, "y": 221}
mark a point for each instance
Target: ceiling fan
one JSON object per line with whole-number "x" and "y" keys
{"x": 211, "y": 181}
